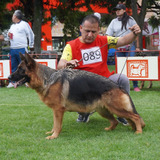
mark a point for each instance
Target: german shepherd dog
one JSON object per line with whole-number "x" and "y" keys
{"x": 78, "y": 91}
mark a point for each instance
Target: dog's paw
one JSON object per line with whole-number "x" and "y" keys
{"x": 112, "y": 126}
{"x": 108, "y": 129}
{"x": 50, "y": 132}
{"x": 138, "y": 132}
{"x": 51, "y": 137}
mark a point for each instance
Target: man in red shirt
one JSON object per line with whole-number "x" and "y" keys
{"x": 89, "y": 52}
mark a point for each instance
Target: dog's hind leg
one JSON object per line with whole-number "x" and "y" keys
{"x": 137, "y": 121}
{"x": 133, "y": 118}
{"x": 123, "y": 106}
{"x": 142, "y": 122}
{"x": 106, "y": 114}
{"x": 132, "y": 124}
{"x": 142, "y": 85}
{"x": 58, "y": 117}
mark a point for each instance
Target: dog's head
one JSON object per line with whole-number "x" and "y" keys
{"x": 22, "y": 74}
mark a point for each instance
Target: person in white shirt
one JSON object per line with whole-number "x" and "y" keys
{"x": 21, "y": 37}
{"x": 119, "y": 27}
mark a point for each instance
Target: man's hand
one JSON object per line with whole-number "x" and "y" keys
{"x": 31, "y": 49}
{"x": 10, "y": 35}
{"x": 72, "y": 64}
{"x": 68, "y": 64}
{"x": 130, "y": 37}
{"x": 135, "y": 29}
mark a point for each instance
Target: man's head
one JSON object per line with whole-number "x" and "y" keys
{"x": 89, "y": 28}
{"x": 17, "y": 16}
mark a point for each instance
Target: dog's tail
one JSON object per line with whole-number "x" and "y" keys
{"x": 135, "y": 111}
{"x": 133, "y": 106}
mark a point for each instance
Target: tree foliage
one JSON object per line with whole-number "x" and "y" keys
{"x": 33, "y": 11}
{"x": 5, "y": 16}
{"x": 67, "y": 12}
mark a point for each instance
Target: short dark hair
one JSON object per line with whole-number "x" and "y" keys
{"x": 92, "y": 19}
{"x": 18, "y": 14}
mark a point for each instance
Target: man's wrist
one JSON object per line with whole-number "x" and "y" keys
{"x": 135, "y": 34}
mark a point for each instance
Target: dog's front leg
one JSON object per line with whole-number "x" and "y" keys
{"x": 58, "y": 117}
{"x": 52, "y": 131}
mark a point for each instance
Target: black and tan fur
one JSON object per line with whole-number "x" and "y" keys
{"x": 78, "y": 91}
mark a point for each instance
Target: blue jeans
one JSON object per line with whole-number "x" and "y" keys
{"x": 131, "y": 54}
{"x": 15, "y": 58}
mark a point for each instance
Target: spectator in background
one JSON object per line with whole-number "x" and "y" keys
{"x": 120, "y": 27}
{"x": 98, "y": 15}
{"x": 20, "y": 36}
{"x": 1, "y": 37}
{"x": 92, "y": 51}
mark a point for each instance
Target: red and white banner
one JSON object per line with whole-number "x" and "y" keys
{"x": 52, "y": 63}
{"x": 5, "y": 66}
{"x": 139, "y": 68}
{"x": 5, "y": 69}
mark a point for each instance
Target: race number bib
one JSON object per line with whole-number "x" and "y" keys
{"x": 92, "y": 55}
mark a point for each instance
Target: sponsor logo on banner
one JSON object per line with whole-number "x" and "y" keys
{"x": 44, "y": 63}
{"x": 137, "y": 68}
{"x": 155, "y": 42}
{"x": 1, "y": 69}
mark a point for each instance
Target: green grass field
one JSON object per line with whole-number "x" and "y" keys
{"x": 24, "y": 119}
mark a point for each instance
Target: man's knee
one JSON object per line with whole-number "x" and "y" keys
{"x": 124, "y": 79}
{"x": 124, "y": 83}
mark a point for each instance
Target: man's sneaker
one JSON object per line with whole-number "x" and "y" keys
{"x": 83, "y": 117}
{"x": 80, "y": 118}
{"x": 86, "y": 117}
{"x": 26, "y": 85}
{"x": 10, "y": 85}
{"x": 123, "y": 121}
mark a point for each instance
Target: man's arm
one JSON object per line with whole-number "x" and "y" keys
{"x": 137, "y": 44}
{"x": 30, "y": 35}
{"x": 64, "y": 63}
{"x": 66, "y": 59}
{"x": 129, "y": 38}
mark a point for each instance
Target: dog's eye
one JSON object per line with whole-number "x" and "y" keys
{"x": 21, "y": 70}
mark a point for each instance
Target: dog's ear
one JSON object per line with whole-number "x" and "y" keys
{"x": 30, "y": 61}
{"x": 22, "y": 56}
